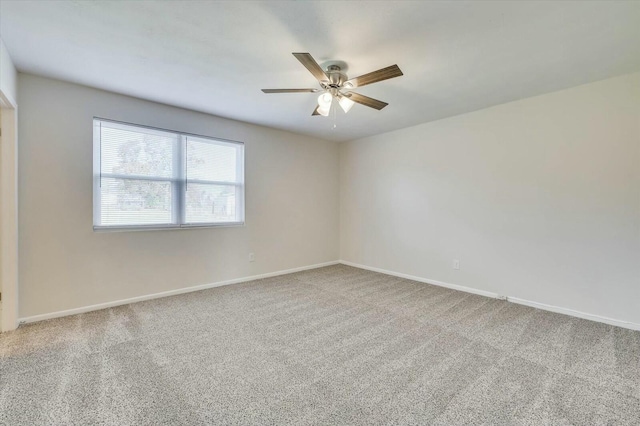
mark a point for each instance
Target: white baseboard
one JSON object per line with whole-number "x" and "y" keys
{"x": 551, "y": 308}
{"x": 106, "y": 305}
{"x": 425, "y": 280}
{"x": 577, "y": 314}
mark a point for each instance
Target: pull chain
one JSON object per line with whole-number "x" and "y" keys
{"x": 335, "y": 107}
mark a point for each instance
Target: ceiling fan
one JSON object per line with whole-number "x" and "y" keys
{"x": 333, "y": 81}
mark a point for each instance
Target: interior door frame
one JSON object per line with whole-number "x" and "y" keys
{"x": 9, "y": 212}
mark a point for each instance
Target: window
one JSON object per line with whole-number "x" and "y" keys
{"x": 151, "y": 178}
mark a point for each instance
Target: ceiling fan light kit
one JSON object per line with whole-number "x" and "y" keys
{"x": 333, "y": 81}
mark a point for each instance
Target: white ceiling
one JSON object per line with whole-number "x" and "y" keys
{"x": 216, "y": 56}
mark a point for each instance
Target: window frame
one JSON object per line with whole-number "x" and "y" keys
{"x": 179, "y": 181}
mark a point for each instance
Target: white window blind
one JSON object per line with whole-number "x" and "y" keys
{"x": 151, "y": 178}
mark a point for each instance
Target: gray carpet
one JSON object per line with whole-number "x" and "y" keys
{"x": 335, "y": 345}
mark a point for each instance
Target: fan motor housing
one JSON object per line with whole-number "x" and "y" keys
{"x": 336, "y": 77}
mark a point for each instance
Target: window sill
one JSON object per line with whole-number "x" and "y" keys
{"x": 133, "y": 228}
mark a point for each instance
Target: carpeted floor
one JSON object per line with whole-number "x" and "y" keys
{"x": 335, "y": 345}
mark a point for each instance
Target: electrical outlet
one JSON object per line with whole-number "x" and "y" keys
{"x": 456, "y": 264}
{"x": 252, "y": 257}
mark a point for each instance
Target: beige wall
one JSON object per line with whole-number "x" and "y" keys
{"x": 291, "y": 205}
{"x": 539, "y": 199}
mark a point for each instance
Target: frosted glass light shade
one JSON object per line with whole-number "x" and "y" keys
{"x": 324, "y": 100}
{"x": 345, "y": 103}
{"x": 324, "y": 104}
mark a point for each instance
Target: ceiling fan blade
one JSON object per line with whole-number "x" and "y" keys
{"x": 374, "y": 77}
{"x": 365, "y": 100}
{"x": 311, "y": 64}
{"x": 290, "y": 90}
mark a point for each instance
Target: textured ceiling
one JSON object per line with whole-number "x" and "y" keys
{"x": 216, "y": 56}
